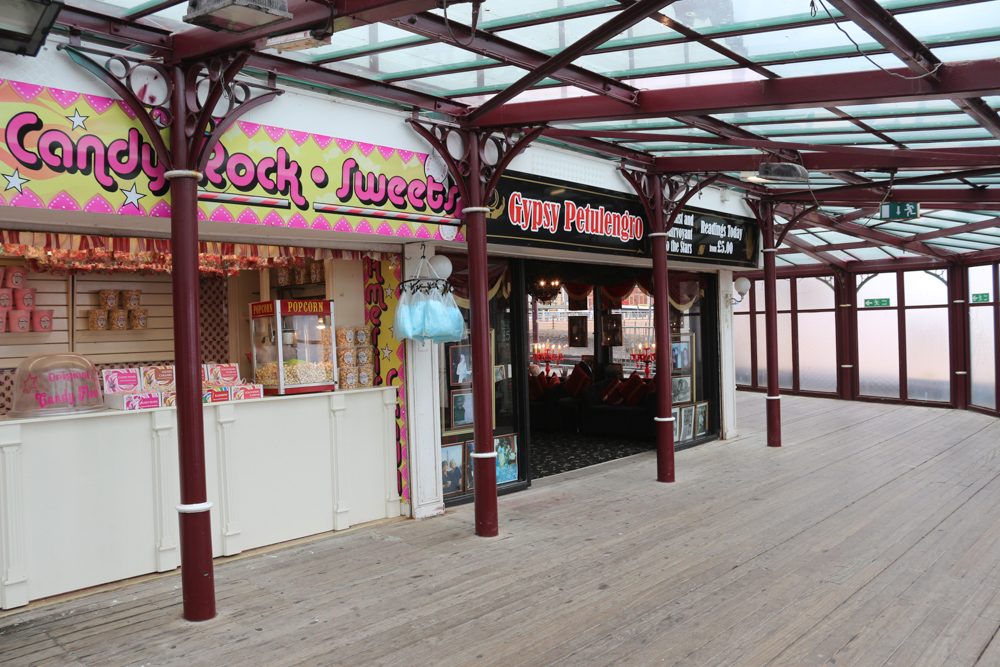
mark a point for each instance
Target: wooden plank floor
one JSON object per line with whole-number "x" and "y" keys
{"x": 872, "y": 538}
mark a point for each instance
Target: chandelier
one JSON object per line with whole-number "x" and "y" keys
{"x": 545, "y": 290}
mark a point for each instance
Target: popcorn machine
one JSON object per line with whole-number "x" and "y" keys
{"x": 294, "y": 348}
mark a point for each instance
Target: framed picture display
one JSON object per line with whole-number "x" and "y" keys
{"x": 701, "y": 419}
{"x": 452, "y": 465}
{"x": 682, "y": 388}
{"x": 680, "y": 355}
{"x": 687, "y": 422}
{"x": 499, "y": 373}
{"x": 676, "y": 414}
{"x": 461, "y": 408}
{"x": 506, "y": 449}
{"x": 470, "y": 447}
{"x": 611, "y": 330}
{"x": 578, "y": 331}
{"x": 460, "y": 365}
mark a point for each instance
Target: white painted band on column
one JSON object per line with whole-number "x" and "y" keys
{"x": 182, "y": 173}
{"x": 772, "y": 398}
{"x": 658, "y": 234}
{"x": 769, "y": 250}
{"x": 197, "y": 507}
{"x": 476, "y": 209}
{"x": 961, "y": 372}
{"x": 959, "y": 301}
{"x": 488, "y": 455}
{"x": 845, "y": 305}
{"x": 847, "y": 365}
{"x": 663, "y": 419}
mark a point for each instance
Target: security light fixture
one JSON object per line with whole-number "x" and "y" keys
{"x": 25, "y": 23}
{"x": 777, "y": 172}
{"x": 236, "y": 16}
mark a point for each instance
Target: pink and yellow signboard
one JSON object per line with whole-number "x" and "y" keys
{"x": 68, "y": 151}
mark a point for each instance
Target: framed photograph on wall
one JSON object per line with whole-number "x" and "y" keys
{"x": 578, "y": 331}
{"x": 682, "y": 389}
{"x": 470, "y": 447}
{"x": 461, "y": 408}
{"x": 499, "y": 373}
{"x": 506, "y": 449}
{"x": 460, "y": 365}
{"x": 701, "y": 419}
{"x": 680, "y": 355}
{"x": 676, "y": 414}
{"x": 452, "y": 465}
{"x": 611, "y": 330}
{"x": 687, "y": 422}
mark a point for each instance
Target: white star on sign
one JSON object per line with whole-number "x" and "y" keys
{"x": 77, "y": 120}
{"x": 386, "y": 352}
{"x": 132, "y": 197}
{"x": 14, "y": 181}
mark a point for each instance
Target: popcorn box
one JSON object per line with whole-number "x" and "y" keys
{"x": 158, "y": 378}
{"x": 19, "y": 321}
{"x": 118, "y": 320}
{"x": 41, "y": 320}
{"x": 107, "y": 299}
{"x": 15, "y": 276}
{"x": 6, "y": 297}
{"x": 3, "y": 319}
{"x": 139, "y": 401}
{"x": 24, "y": 298}
{"x": 121, "y": 380}
{"x": 215, "y": 395}
{"x": 220, "y": 374}
{"x": 242, "y": 392}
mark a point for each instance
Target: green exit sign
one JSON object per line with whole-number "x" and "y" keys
{"x": 896, "y": 210}
{"x": 876, "y": 303}
{"x": 981, "y": 298}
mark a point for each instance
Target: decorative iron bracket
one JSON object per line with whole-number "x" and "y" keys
{"x": 214, "y": 99}
{"x": 496, "y": 150}
{"x": 673, "y": 194}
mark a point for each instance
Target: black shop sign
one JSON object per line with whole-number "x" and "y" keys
{"x": 541, "y": 212}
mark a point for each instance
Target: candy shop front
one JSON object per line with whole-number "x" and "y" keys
{"x": 304, "y": 384}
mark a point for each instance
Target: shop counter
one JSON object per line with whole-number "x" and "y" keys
{"x": 90, "y": 499}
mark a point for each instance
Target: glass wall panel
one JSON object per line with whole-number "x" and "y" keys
{"x": 982, "y": 355}
{"x": 817, "y": 351}
{"x": 879, "y": 286}
{"x": 761, "y": 351}
{"x": 783, "y": 288}
{"x": 878, "y": 351}
{"x": 741, "y": 341}
{"x": 925, "y": 288}
{"x": 928, "y": 368}
{"x": 785, "y": 350}
{"x": 980, "y": 283}
{"x": 815, "y": 294}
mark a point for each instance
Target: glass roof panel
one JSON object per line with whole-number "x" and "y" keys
{"x": 900, "y": 108}
{"x": 778, "y": 116}
{"x": 966, "y": 52}
{"x": 868, "y": 254}
{"x": 835, "y": 65}
{"x": 791, "y": 129}
{"x": 654, "y": 60}
{"x": 952, "y": 19}
{"x": 958, "y": 134}
{"x": 919, "y": 122}
{"x": 818, "y": 41}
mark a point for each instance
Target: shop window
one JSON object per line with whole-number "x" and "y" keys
{"x": 817, "y": 352}
{"x": 925, "y": 288}
{"x": 814, "y": 293}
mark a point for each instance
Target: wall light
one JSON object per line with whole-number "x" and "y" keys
{"x": 742, "y": 286}
{"x": 776, "y": 172}
{"x": 25, "y": 23}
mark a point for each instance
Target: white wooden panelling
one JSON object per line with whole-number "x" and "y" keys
{"x": 154, "y": 343}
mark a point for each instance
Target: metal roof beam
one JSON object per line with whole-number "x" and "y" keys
{"x": 914, "y": 158}
{"x": 890, "y": 183}
{"x": 818, "y": 219}
{"x": 510, "y": 53}
{"x": 938, "y": 197}
{"x": 968, "y": 78}
{"x": 622, "y": 21}
{"x": 958, "y": 229}
{"x": 806, "y": 249}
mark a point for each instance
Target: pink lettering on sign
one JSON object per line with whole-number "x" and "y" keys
{"x": 373, "y": 189}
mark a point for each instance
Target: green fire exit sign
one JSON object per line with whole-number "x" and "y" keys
{"x": 981, "y": 298}
{"x": 896, "y": 210}
{"x": 876, "y": 303}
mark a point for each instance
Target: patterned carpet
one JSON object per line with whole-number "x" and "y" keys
{"x": 553, "y": 453}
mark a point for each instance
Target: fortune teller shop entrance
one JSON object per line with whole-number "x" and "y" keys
{"x": 571, "y": 318}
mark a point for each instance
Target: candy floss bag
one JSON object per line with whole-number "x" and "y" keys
{"x": 402, "y": 323}
{"x": 443, "y": 321}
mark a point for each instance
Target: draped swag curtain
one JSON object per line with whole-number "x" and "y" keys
{"x": 497, "y": 275}
{"x": 684, "y": 289}
{"x": 64, "y": 254}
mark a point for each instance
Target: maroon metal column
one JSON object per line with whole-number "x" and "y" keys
{"x": 958, "y": 321}
{"x": 766, "y": 218}
{"x": 197, "y": 579}
{"x": 484, "y": 458}
{"x": 661, "y": 331}
{"x": 843, "y": 287}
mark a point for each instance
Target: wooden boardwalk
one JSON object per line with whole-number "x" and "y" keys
{"x": 872, "y": 538}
